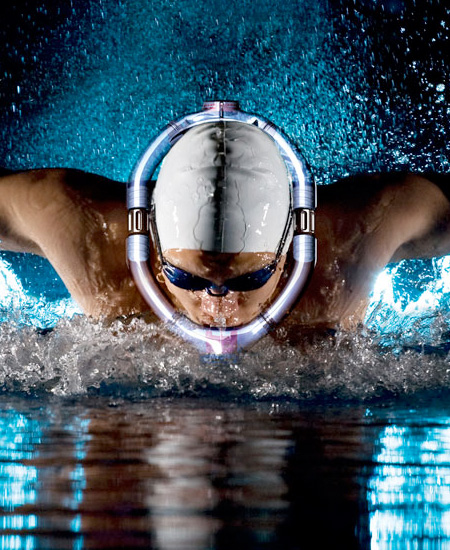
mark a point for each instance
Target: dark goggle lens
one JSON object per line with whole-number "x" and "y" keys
{"x": 183, "y": 279}
{"x": 243, "y": 283}
{"x": 251, "y": 281}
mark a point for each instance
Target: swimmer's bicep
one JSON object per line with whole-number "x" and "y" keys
{"x": 12, "y": 241}
{"x": 15, "y": 236}
{"x": 425, "y": 221}
{"x": 434, "y": 245}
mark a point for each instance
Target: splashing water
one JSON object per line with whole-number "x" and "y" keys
{"x": 410, "y": 301}
{"x": 43, "y": 304}
{"x": 80, "y": 357}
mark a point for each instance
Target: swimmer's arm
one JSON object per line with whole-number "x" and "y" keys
{"x": 38, "y": 206}
{"x": 77, "y": 221}
{"x": 14, "y": 191}
{"x": 422, "y": 219}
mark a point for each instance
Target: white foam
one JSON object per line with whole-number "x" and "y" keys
{"x": 79, "y": 357}
{"x": 21, "y": 307}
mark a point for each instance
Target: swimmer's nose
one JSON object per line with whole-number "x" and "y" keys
{"x": 217, "y": 290}
{"x": 216, "y": 305}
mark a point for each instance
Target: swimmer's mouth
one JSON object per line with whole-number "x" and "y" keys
{"x": 220, "y": 321}
{"x": 217, "y": 321}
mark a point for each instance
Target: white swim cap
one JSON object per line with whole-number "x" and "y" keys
{"x": 223, "y": 187}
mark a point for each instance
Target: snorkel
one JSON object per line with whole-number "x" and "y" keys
{"x": 219, "y": 340}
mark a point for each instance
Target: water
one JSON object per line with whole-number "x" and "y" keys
{"x": 171, "y": 474}
{"x": 121, "y": 436}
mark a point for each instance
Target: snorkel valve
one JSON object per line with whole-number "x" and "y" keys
{"x": 216, "y": 340}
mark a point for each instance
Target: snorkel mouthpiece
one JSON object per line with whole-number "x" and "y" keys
{"x": 220, "y": 341}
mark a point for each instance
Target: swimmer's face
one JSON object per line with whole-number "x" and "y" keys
{"x": 233, "y": 309}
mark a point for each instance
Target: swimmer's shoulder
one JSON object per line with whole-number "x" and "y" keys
{"x": 43, "y": 197}
{"x": 408, "y": 212}
{"x": 360, "y": 187}
{"x": 49, "y": 189}
{"x": 90, "y": 185}
{"x": 401, "y": 194}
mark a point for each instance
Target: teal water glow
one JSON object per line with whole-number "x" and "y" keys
{"x": 409, "y": 491}
{"x": 24, "y": 471}
{"x": 31, "y": 293}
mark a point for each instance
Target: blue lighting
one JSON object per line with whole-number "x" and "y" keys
{"x": 43, "y": 303}
{"x": 24, "y": 444}
{"x": 411, "y": 298}
{"x": 17, "y": 485}
{"x": 409, "y": 490}
{"x": 17, "y": 542}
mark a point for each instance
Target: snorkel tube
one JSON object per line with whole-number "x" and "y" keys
{"x": 218, "y": 340}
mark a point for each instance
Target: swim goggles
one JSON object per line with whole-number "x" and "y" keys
{"x": 243, "y": 283}
{"x": 220, "y": 340}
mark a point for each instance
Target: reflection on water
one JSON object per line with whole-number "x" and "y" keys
{"x": 187, "y": 474}
{"x": 30, "y": 480}
{"x": 409, "y": 490}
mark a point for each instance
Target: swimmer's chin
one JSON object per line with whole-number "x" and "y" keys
{"x": 218, "y": 322}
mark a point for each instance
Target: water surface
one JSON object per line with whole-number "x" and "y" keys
{"x": 200, "y": 474}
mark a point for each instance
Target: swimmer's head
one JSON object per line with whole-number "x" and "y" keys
{"x": 222, "y": 207}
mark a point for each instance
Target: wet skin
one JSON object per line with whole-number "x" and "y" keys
{"x": 78, "y": 222}
{"x": 233, "y": 309}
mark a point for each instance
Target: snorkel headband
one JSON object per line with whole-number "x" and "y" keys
{"x": 218, "y": 340}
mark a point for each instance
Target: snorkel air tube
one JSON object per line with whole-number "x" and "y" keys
{"x": 218, "y": 340}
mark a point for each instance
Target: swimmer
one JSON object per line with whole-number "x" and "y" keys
{"x": 78, "y": 221}
{"x": 222, "y": 227}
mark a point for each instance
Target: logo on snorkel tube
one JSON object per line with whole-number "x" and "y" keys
{"x": 210, "y": 340}
{"x": 221, "y": 341}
